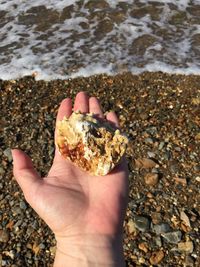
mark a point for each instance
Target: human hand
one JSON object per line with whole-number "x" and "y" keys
{"x": 82, "y": 210}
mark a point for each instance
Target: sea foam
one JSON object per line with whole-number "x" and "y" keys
{"x": 65, "y": 39}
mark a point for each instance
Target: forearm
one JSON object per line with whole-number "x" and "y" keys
{"x": 92, "y": 251}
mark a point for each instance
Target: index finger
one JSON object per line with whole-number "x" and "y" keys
{"x": 65, "y": 109}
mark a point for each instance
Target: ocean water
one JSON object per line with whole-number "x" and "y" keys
{"x": 69, "y": 38}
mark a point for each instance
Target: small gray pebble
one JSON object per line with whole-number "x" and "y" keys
{"x": 142, "y": 223}
{"x": 16, "y": 211}
{"x": 51, "y": 150}
{"x": 151, "y": 154}
{"x": 167, "y": 155}
{"x": 42, "y": 246}
{"x": 148, "y": 140}
{"x": 35, "y": 225}
{"x": 177, "y": 148}
{"x": 197, "y": 168}
{"x": 18, "y": 223}
{"x": 161, "y": 228}
{"x": 12, "y": 202}
{"x": 23, "y": 205}
{"x": 158, "y": 241}
{"x": 172, "y": 237}
{"x": 152, "y": 130}
{"x": 8, "y": 154}
{"x": 161, "y": 145}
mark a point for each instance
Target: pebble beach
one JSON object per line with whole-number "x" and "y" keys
{"x": 159, "y": 112}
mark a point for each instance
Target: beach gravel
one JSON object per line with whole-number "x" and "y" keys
{"x": 160, "y": 115}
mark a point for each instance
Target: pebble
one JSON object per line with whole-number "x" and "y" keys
{"x": 10, "y": 254}
{"x": 131, "y": 226}
{"x": 149, "y": 140}
{"x": 23, "y": 205}
{"x": 12, "y": 202}
{"x": 161, "y": 228}
{"x": 18, "y": 223}
{"x": 197, "y": 136}
{"x": 4, "y": 236}
{"x": 16, "y": 211}
{"x": 35, "y": 225}
{"x": 151, "y": 154}
{"x": 157, "y": 257}
{"x": 8, "y": 154}
{"x": 167, "y": 155}
{"x": 4, "y": 263}
{"x": 161, "y": 145}
{"x": 158, "y": 241}
{"x": 152, "y": 130}
{"x": 185, "y": 218}
{"x": 172, "y": 237}
{"x": 197, "y": 179}
{"x": 174, "y": 167}
{"x": 143, "y": 246}
{"x": 197, "y": 168}
{"x": 186, "y": 247}
{"x": 151, "y": 179}
{"x": 141, "y": 260}
{"x": 189, "y": 261}
{"x": 53, "y": 250}
{"x": 145, "y": 163}
{"x": 28, "y": 255}
{"x": 42, "y": 246}
{"x": 182, "y": 181}
{"x": 144, "y": 116}
{"x": 2, "y": 171}
{"x": 142, "y": 223}
{"x": 177, "y": 148}
{"x": 156, "y": 217}
{"x": 29, "y": 231}
{"x": 36, "y": 249}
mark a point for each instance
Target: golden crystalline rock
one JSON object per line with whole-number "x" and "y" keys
{"x": 90, "y": 143}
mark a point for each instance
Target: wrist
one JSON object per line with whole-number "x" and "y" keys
{"x": 89, "y": 250}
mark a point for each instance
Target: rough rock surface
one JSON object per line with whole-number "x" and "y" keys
{"x": 90, "y": 143}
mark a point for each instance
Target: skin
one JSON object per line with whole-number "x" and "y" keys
{"x": 85, "y": 212}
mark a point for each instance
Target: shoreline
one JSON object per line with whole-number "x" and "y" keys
{"x": 160, "y": 114}
{"x": 122, "y": 71}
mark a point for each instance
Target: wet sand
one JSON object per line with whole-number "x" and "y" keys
{"x": 160, "y": 114}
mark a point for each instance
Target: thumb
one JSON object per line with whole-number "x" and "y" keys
{"x": 25, "y": 173}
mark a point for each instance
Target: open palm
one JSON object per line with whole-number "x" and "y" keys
{"x": 70, "y": 200}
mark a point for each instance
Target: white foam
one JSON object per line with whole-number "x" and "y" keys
{"x": 181, "y": 4}
{"x": 114, "y": 3}
{"x": 23, "y": 5}
{"x": 160, "y": 66}
{"x": 70, "y": 50}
